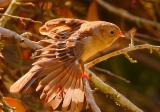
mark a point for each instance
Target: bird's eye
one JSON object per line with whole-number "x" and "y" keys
{"x": 112, "y": 32}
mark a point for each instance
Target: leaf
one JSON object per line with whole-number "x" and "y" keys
{"x": 12, "y": 102}
{"x": 92, "y": 12}
{"x": 4, "y": 3}
{"x": 64, "y": 12}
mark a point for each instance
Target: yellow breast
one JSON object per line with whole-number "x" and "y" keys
{"x": 91, "y": 47}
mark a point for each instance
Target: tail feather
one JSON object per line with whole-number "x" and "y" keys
{"x": 81, "y": 93}
{"x": 61, "y": 84}
{"x": 26, "y": 80}
{"x": 51, "y": 75}
{"x": 78, "y": 92}
{"x": 81, "y": 96}
{"x": 58, "y": 80}
{"x": 58, "y": 99}
{"x": 68, "y": 95}
{"x": 75, "y": 92}
{"x": 73, "y": 107}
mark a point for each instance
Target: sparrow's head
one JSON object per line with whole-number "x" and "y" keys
{"x": 108, "y": 32}
{"x": 111, "y": 30}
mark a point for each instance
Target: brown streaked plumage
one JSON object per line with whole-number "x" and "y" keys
{"x": 59, "y": 66}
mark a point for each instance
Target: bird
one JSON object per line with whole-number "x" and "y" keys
{"x": 58, "y": 69}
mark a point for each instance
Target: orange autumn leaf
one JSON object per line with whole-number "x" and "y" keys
{"x": 92, "y": 14}
{"x": 64, "y": 12}
{"x": 4, "y": 3}
{"x": 14, "y": 103}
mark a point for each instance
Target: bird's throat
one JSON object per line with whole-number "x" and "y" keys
{"x": 91, "y": 46}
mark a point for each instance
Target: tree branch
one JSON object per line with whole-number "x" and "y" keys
{"x": 123, "y": 13}
{"x": 8, "y": 34}
{"x": 122, "y": 51}
{"x": 89, "y": 96}
{"x": 21, "y": 18}
{"x": 117, "y": 97}
{"x": 25, "y": 4}
{"x": 108, "y": 73}
{"x": 11, "y": 8}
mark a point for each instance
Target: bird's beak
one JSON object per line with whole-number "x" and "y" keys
{"x": 120, "y": 34}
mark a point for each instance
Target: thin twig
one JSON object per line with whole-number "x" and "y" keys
{"x": 89, "y": 96}
{"x": 125, "y": 14}
{"x": 25, "y": 4}
{"x": 117, "y": 97}
{"x": 11, "y": 8}
{"x": 147, "y": 37}
{"x": 21, "y": 18}
{"x": 122, "y": 51}
{"x": 130, "y": 58}
{"x": 8, "y": 34}
{"x": 107, "y": 72}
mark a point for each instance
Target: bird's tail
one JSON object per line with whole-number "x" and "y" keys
{"x": 60, "y": 83}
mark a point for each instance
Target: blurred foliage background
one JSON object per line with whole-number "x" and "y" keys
{"x": 144, "y": 76}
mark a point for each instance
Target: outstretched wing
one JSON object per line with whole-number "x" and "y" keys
{"x": 62, "y": 28}
{"x": 57, "y": 69}
{"x": 60, "y": 82}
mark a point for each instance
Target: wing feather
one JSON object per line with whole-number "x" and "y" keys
{"x": 21, "y": 83}
{"x": 68, "y": 95}
{"x": 56, "y": 69}
{"x": 60, "y": 85}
